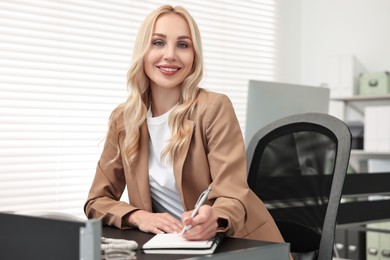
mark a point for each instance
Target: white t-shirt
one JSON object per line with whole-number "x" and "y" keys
{"x": 165, "y": 197}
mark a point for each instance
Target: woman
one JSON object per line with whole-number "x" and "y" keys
{"x": 171, "y": 140}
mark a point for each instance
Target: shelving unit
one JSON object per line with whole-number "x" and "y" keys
{"x": 368, "y": 98}
{"x": 356, "y": 104}
{"x": 365, "y": 155}
{"x": 359, "y": 158}
{"x": 351, "y": 239}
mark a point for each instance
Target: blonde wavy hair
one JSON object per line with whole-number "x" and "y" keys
{"x": 134, "y": 110}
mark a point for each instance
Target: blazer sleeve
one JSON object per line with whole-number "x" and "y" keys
{"x": 247, "y": 216}
{"x": 227, "y": 161}
{"x": 108, "y": 185}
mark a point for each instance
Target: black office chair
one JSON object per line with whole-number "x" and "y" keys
{"x": 297, "y": 166}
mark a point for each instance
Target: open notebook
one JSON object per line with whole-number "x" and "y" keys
{"x": 176, "y": 244}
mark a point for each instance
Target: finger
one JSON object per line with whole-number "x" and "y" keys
{"x": 204, "y": 226}
{"x": 201, "y": 232}
{"x": 170, "y": 228}
{"x": 169, "y": 224}
{"x": 157, "y": 223}
{"x": 203, "y": 215}
{"x": 173, "y": 221}
{"x": 176, "y": 225}
{"x": 185, "y": 216}
{"x": 187, "y": 221}
{"x": 151, "y": 229}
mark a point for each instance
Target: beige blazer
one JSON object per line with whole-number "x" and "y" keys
{"x": 215, "y": 155}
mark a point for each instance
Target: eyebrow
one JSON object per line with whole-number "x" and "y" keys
{"x": 179, "y": 38}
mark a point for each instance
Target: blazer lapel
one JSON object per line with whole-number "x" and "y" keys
{"x": 180, "y": 159}
{"x": 141, "y": 168}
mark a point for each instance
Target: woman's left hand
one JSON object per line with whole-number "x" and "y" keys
{"x": 203, "y": 226}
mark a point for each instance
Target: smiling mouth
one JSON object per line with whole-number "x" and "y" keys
{"x": 168, "y": 69}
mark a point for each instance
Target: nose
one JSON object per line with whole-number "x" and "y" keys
{"x": 170, "y": 53}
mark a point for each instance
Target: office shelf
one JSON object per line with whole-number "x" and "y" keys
{"x": 354, "y": 108}
{"x": 358, "y": 103}
{"x": 367, "y": 98}
{"x": 365, "y": 155}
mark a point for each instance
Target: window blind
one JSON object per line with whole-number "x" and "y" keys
{"x": 63, "y": 68}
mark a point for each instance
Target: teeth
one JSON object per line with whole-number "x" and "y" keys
{"x": 168, "y": 69}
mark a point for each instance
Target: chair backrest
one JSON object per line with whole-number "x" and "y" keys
{"x": 297, "y": 166}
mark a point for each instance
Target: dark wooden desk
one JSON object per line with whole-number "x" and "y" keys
{"x": 230, "y": 248}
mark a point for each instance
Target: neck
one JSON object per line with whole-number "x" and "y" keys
{"x": 162, "y": 100}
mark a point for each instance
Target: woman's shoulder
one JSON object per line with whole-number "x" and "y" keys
{"x": 212, "y": 98}
{"x": 117, "y": 113}
{"x": 213, "y": 105}
{"x": 118, "y": 109}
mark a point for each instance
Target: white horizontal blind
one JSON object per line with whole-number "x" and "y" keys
{"x": 239, "y": 40}
{"x": 63, "y": 69}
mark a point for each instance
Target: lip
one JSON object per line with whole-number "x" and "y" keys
{"x": 168, "y": 69}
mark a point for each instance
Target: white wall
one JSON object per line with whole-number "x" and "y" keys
{"x": 289, "y": 45}
{"x": 312, "y": 31}
{"x": 329, "y": 27}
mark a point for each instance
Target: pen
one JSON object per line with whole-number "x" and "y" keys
{"x": 202, "y": 198}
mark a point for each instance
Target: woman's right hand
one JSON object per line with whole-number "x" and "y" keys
{"x": 156, "y": 223}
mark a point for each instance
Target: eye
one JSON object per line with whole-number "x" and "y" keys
{"x": 158, "y": 42}
{"x": 182, "y": 45}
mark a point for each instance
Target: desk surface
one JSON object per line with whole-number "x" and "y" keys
{"x": 230, "y": 248}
